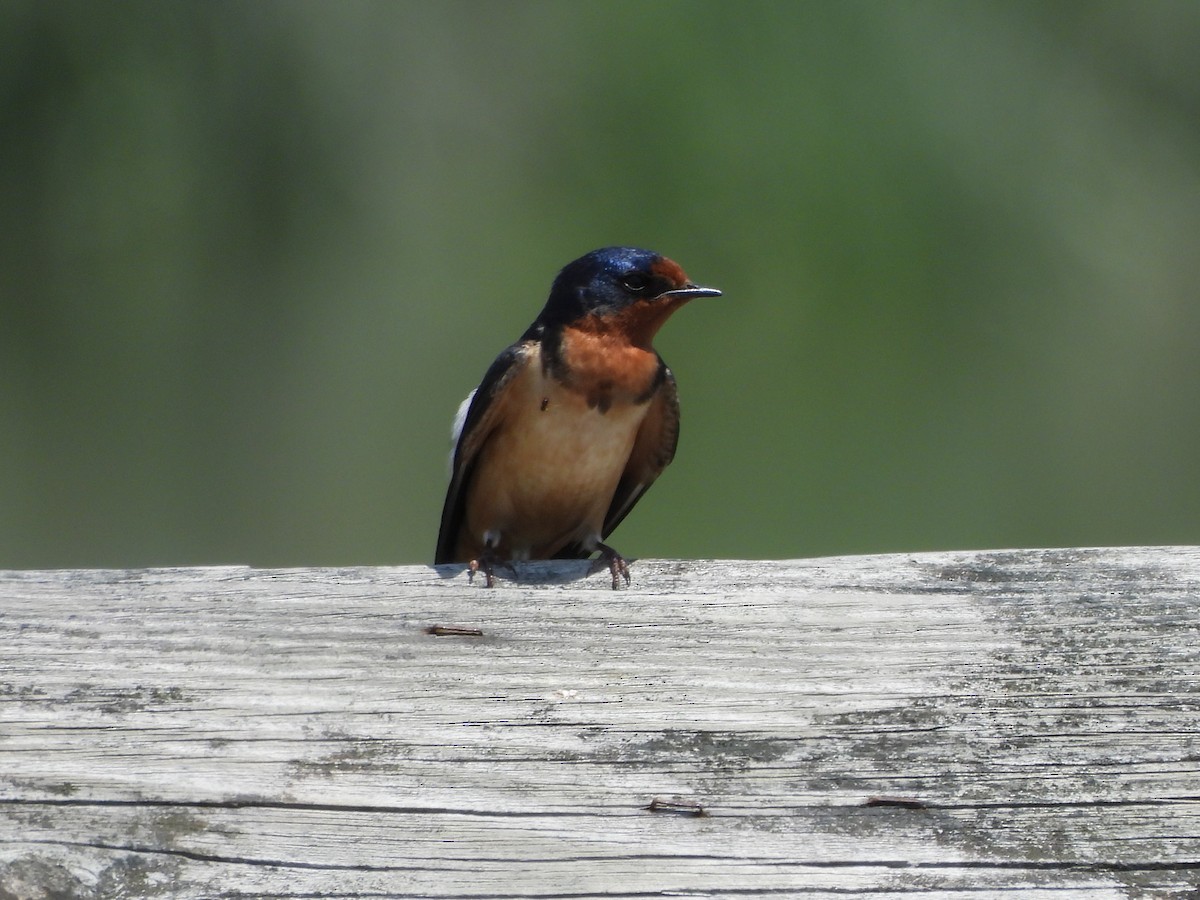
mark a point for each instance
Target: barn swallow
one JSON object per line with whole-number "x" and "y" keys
{"x": 572, "y": 423}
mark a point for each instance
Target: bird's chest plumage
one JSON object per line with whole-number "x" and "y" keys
{"x": 549, "y": 472}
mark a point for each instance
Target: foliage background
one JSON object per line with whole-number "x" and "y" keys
{"x": 252, "y": 254}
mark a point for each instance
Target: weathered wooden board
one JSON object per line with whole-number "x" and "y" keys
{"x": 239, "y": 732}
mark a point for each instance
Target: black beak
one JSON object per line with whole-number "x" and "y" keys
{"x": 690, "y": 292}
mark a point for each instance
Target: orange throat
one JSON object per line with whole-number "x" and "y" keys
{"x": 612, "y": 355}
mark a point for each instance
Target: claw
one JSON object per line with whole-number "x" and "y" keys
{"x": 488, "y": 562}
{"x": 615, "y": 563}
{"x": 482, "y": 563}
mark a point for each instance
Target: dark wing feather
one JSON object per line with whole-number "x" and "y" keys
{"x": 653, "y": 450}
{"x": 476, "y": 429}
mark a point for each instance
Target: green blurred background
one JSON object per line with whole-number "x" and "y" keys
{"x": 253, "y": 254}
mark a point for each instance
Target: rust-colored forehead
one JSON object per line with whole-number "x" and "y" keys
{"x": 670, "y": 270}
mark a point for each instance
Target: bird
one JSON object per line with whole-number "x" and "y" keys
{"x": 572, "y": 423}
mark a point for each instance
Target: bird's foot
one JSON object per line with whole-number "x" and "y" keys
{"x": 488, "y": 562}
{"x": 482, "y": 563}
{"x": 613, "y": 561}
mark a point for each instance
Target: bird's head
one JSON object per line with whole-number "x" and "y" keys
{"x": 622, "y": 283}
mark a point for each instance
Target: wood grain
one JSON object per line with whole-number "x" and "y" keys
{"x": 1008, "y": 724}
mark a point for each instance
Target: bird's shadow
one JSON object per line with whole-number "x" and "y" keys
{"x": 532, "y": 573}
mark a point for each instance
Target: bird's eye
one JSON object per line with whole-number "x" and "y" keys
{"x": 635, "y": 283}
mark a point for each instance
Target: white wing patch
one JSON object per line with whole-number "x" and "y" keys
{"x": 460, "y": 419}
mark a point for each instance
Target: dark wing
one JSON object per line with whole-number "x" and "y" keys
{"x": 653, "y": 450}
{"x": 477, "y": 427}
